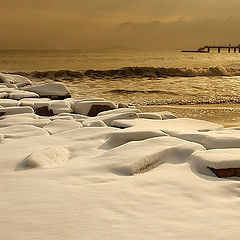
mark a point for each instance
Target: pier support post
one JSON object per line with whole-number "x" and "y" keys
{"x": 219, "y": 50}
{"x": 208, "y": 49}
{"x": 235, "y": 50}
{"x": 229, "y": 50}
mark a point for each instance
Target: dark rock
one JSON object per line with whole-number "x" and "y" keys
{"x": 43, "y": 111}
{"x": 228, "y": 172}
{"x": 95, "y": 109}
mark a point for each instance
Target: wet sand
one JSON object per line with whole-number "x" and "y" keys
{"x": 226, "y": 114}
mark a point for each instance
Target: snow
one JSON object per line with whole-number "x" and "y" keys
{"x": 184, "y": 124}
{"x": 67, "y": 180}
{"x": 49, "y": 157}
{"x": 58, "y": 126}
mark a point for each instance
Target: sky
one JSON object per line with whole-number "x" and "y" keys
{"x": 136, "y": 24}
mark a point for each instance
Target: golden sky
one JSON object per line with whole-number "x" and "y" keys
{"x": 143, "y": 24}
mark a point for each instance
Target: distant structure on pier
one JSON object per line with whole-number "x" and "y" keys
{"x": 208, "y": 48}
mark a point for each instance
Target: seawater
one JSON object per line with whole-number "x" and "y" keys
{"x": 139, "y": 77}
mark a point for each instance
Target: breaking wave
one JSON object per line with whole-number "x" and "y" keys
{"x": 135, "y": 72}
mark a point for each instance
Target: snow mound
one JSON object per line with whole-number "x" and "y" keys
{"x": 18, "y": 80}
{"x": 50, "y": 90}
{"x": 123, "y": 136}
{"x": 9, "y": 103}
{"x": 22, "y": 131}
{"x": 58, "y": 126}
{"x": 185, "y": 124}
{"x": 142, "y": 156}
{"x": 47, "y": 158}
{"x": 224, "y": 138}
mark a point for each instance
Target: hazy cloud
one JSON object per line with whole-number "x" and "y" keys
{"x": 78, "y": 24}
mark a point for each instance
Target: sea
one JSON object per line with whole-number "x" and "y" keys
{"x": 201, "y": 85}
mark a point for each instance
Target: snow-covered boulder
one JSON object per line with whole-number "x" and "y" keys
{"x": 223, "y": 162}
{"x": 31, "y": 101}
{"x": 15, "y": 110}
{"x": 92, "y": 108}
{"x": 107, "y": 119}
{"x": 58, "y": 126}
{"x": 9, "y": 103}
{"x": 150, "y": 116}
{"x": 93, "y": 123}
{"x": 167, "y": 115}
{"x": 22, "y": 131}
{"x": 49, "y": 108}
{"x": 223, "y": 138}
{"x": 18, "y": 80}
{"x": 119, "y": 110}
{"x": 8, "y": 85}
{"x": 47, "y": 158}
{"x": 142, "y": 156}
{"x": 50, "y": 90}
{"x": 18, "y": 94}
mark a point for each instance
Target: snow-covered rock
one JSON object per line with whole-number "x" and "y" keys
{"x": 18, "y": 94}
{"x": 50, "y": 90}
{"x": 9, "y": 103}
{"x": 119, "y": 110}
{"x": 49, "y": 108}
{"x": 92, "y": 108}
{"x": 31, "y": 101}
{"x": 150, "y": 116}
{"x": 15, "y": 110}
{"x": 24, "y": 121}
{"x": 93, "y": 123}
{"x": 123, "y": 136}
{"x": 166, "y": 115}
{"x": 227, "y": 161}
{"x": 22, "y": 131}
{"x": 223, "y": 138}
{"x": 18, "y": 80}
{"x": 47, "y": 158}
{"x": 145, "y": 155}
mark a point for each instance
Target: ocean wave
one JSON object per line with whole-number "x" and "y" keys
{"x": 135, "y": 72}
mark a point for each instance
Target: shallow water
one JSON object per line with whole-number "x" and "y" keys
{"x": 159, "y": 78}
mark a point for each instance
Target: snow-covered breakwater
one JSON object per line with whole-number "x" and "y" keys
{"x": 68, "y": 165}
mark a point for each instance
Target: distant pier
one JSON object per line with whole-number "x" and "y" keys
{"x": 208, "y": 48}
